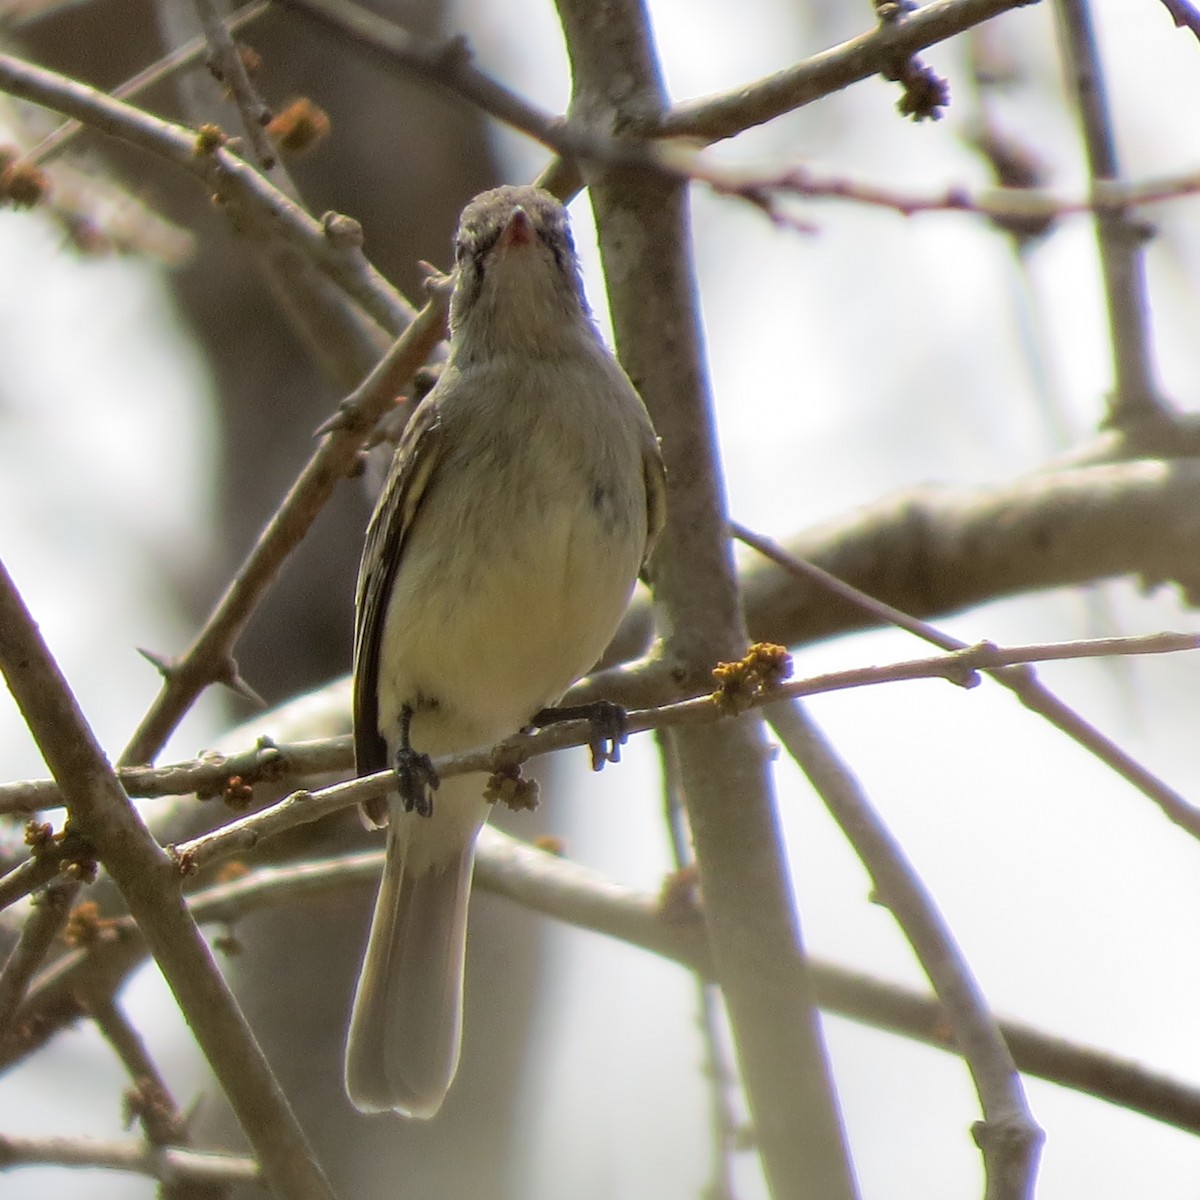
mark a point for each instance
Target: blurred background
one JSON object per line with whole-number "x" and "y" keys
{"x": 152, "y": 415}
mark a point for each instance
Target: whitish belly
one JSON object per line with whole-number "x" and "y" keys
{"x": 476, "y": 653}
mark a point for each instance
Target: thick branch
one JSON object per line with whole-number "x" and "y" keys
{"x": 933, "y": 551}
{"x": 645, "y": 245}
{"x": 102, "y": 813}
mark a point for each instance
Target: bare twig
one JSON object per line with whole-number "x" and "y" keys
{"x": 681, "y": 892}
{"x": 1021, "y": 680}
{"x": 241, "y": 836}
{"x": 60, "y": 139}
{"x": 1008, "y": 1135}
{"x": 168, "y": 1166}
{"x": 50, "y": 912}
{"x": 258, "y": 205}
{"x": 149, "y": 1101}
{"x": 959, "y": 667}
{"x": 210, "y": 659}
{"x": 226, "y": 63}
{"x": 1137, "y": 393}
{"x": 566, "y": 891}
{"x": 208, "y": 775}
{"x": 714, "y": 117}
{"x": 1002, "y": 205}
{"x": 145, "y": 876}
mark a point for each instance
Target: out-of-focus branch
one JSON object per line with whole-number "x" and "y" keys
{"x": 1008, "y": 1135}
{"x": 261, "y": 210}
{"x": 169, "y": 1166}
{"x": 562, "y": 890}
{"x": 931, "y": 551}
{"x": 226, "y": 62}
{"x": 40, "y": 929}
{"x": 1137, "y": 394}
{"x": 60, "y": 139}
{"x": 103, "y": 814}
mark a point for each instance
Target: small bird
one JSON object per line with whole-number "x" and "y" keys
{"x": 524, "y": 499}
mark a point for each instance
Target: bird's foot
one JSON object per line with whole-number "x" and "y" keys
{"x": 416, "y": 781}
{"x": 608, "y": 722}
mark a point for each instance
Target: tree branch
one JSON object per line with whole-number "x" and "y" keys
{"x": 167, "y": 1165}
{"x": 1137, "y": 394}
{"x": 728, "y": 113}
{"x": 1008, "y": 1135}
{"x": 645, "y": 247}
{"x": 210, "y": 657}
{"x": 562, "y": 890}
{"x": 103, "y": 814}
{"x": 259, "y": 208}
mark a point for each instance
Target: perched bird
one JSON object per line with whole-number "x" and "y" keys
{"x": 524, "y": 498}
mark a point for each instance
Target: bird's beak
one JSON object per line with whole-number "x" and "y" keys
{"x": 519, "y": 231}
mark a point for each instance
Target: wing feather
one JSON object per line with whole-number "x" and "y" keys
{"x": 414, "y": 462}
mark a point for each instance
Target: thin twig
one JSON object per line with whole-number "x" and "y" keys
{"x": 711, "y": 118}
{"x": 1021, "y": 680}
{"x": 208, "y": 775}
{"x": 241, "y": 836}
{"x": 1008, "y": 1135}
{"x": 59, "y": 140}
{"x": 580, "y": 896}
{"x": 259, "y": 206}
{"x": 720, "y": 1072}
{"x": 226, "y": 63}
{"x": 1137, "y": 393}
{"x": 50, "y": 911}
{"x": 997, "y": 204}
{"x": 143, "y": 872}
{"x": 168, "y": 1166}
{"x": 160, "y": 1118}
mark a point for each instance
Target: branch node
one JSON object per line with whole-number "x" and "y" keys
{"x": 740, "y": 683}
{"x": 209, "y": 139}
{"x": 341, "y": 231}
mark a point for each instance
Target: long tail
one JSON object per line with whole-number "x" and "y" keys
{"x": 406, "y": 1027}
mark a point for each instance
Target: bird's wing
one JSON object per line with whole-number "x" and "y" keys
{"x": 416, "y": 457}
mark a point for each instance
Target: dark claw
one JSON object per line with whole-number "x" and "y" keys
{"x": 416, "y": 781}
{"x": 609, "y": 727}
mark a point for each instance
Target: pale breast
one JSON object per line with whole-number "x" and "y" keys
{"x": 510, "y": 589}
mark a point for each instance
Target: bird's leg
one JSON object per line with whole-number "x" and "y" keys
{"x": 608, "y": 722}
{"x": 416, "y": 780}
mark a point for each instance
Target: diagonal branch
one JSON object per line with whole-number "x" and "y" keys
{"x": 1008, "y": 1135}
{"x": 104, "y": 815}
{"x": 210, "y": 657}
